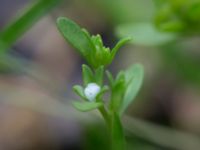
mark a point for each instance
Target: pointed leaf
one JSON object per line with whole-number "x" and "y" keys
{"x": 87, "y": 106}
{"x": 118, "y": 91}
{"x": 119, "y": 45}
{"x": 79, "y": 91}
{"x": 87, "y": 75}
{"x": 99, "y": 75}
{"x": 134, "y": 77}
{"x": 75, "y": 35}
{"x": 104, "y": 89}
{"x": 110, "y": 78}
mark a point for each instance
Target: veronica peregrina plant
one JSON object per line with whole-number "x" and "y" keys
{"x": 123, "y": 88}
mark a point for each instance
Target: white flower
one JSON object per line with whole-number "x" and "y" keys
{"x": 91, "y": 91}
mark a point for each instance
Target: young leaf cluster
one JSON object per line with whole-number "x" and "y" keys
{"x": 90, "y": 47}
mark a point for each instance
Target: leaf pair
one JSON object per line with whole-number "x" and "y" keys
{"x": 91, "y": 48}
{"x": 125, "y": 87}
{"x": 90, "y": 77}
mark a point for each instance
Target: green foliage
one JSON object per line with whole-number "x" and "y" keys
{"x": 118, "y": 88}
{"x": 87, "y": 106}
{"x": 144, "y": 34}
{"x": 134, "y": 78}
{"x": 88, "y": 75}
{"x": 18, "y": 27}
{"x": 91, "y": 48}
{"x": 117, "y": 133}
{"x": 123, "y": 88}
{"x": 13, "y": 32}
{"x": 178, "y": 15}
{"x": 185, "y": 65}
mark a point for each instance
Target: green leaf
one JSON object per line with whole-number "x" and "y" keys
{"x": 18, "y": 27}
{"x": 104, "y": 89}
{"x": 172, "y": 26}
{"x": 145, "y": 34}
{"x": 194, "y": 12}
{"x": 118, "y": 91}
{"x": 117, "y": 133}
{"x": 134, "y": 77}
{"x": 87, "y": 75}
{"x": 110, "y": 78}
{"x": 79, "y": 91}
{"x": 99, "y": 75}
{"x": 119, "y": 45}
{"x": 75, "y": 36}
{"x": 87, "y": 106}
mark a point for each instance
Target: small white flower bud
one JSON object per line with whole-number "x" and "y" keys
{"x": 91, "y": 91}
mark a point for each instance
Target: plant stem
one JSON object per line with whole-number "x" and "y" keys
{"x": 105, "y": 115}
{"x": 117, "y": 133}
{"x": 115, "y": 128}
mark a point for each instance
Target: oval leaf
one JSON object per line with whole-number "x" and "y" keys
{"x": 134, "y": 76}
{"x": 87, "y": 106}
{"x": 75, "y": 35}
{"x": 145, "y": 34}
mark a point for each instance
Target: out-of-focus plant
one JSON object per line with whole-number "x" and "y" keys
{"x": 178, "y": 15}
{"x": 172, "y": 29}
{"x": 123, "y": 88}
{"x": 13, "y": 31}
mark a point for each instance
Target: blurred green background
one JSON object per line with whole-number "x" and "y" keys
{"x": 38, "y": 69}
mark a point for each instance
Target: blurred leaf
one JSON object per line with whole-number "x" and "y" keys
{"x": 118, "y": 46}
{"x": 79, "y": 91}
{"x": 121, "y": 11}
{"x": 172, "y": 26}
{"x": 87, "y": 106}
{"x": 104, "y": 89}
{"x": 162, "y": 136}
{"x": 99, "y": 74}
{"x": 159, "y": 3}
{"x": 117, "y": 133}
{"x": 75, "y": 36}
{"x": 118, "y": 90}
{"x": 194, "y": 12}
{"x": 186, "y": 66}
{"x": 110, "y": 78}
{"x": 134, "y": 76}
{"x": 87, "y": 75}
{"x": 19, "y": 26}
{"x": 144, "y": 34}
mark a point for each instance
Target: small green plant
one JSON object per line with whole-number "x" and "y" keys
{"x": 123, "y": 88}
